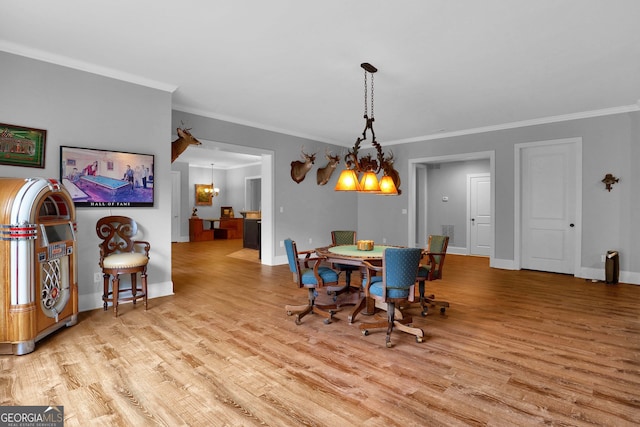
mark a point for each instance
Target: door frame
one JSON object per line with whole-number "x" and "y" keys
{"x": 416, "y": 163}
{"x": 176, "y": 193}
{"x": 517, "y": 221}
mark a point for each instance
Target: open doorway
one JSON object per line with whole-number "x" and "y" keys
{"x": 210, "y": 153}
{"x": 253, "y": 193}
{"x": 454, "y": 216}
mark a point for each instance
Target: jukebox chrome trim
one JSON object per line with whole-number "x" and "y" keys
{"x": 18, "y": 231}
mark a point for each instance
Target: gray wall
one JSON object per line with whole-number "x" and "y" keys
{"x": 450, "y": 180}
{"x": 610, "y": 144}
{"x": 85, "y": 110}
{"x": 306, "y": 212}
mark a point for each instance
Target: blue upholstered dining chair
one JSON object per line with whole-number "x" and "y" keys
{"x": 308, "y": 273}
{"x": 432, "y": 270}
{"x": 395, "y": 286}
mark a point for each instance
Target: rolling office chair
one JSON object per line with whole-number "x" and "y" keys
{"x": 395, "y": 287}
{"x": 310, "y": 277}
{"x": 344, "y": 237}
{"x": 436, "y": 252}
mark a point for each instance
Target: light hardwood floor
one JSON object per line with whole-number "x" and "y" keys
{"x": 514, "y": 349}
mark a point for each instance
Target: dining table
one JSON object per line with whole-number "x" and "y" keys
{"x": 351, "y": 255}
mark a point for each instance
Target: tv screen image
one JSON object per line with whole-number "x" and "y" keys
{"x": 105, "y": 178}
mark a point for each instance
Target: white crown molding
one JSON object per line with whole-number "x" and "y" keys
{"x": 523, "y": 123}
{"x": 84, "y": 66}
{"x": 243, "y": 122}
{"x": 512, "y": 125}
{"x": 131, "y": 78}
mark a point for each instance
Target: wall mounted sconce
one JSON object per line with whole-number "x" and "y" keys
{"x": 609, "y": 180}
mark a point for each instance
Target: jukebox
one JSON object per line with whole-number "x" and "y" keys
{"x": 39, "y": 286}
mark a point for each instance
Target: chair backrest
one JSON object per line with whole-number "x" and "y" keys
{"x": 292, "y": 255}
{"x": 400, "y": 266}
{"x": 343, "y": 237}
{"x": 438, "y": 245}
{"x": 294, "y": 261}
{"x": 116, "y": 233}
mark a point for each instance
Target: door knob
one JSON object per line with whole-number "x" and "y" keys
{"x": 572, "y": 225}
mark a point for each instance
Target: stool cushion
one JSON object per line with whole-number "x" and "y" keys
{"x": 128, "y": 260}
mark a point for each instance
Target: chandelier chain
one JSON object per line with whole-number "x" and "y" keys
{"x": 372, "y": 96}
{"x": 365, "y": 94}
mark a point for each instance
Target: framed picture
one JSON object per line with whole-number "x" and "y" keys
{"x": 104, "y": 178}
{"x": 226, "y": 212}
{"x": 22, "y": 146}
{"x": 203, "y": 194}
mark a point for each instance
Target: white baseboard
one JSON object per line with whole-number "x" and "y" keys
{"x": 504, "y": 264}
{"x": 508, "y": 264}
{"x": 87, "y": 302}
{"x": 456, "y": 250}
{"x": 279, "y": 260}
{"x": 628, "y": 277}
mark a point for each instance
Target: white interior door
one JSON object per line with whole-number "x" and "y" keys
{"x": 480, "y": 232}
{"x": 175, "y": 206}
{"x": 548, "y": 207}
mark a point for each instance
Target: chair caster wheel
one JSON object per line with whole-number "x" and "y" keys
{"x": 365, "y": 332}
{"x": 388, "y": 344}
{"x": 327, "y": 321}
{"x": 419, "y": 339}
{"x": 289, "y": 313}
{"x": 298, "y": 322}
{"x": 424, "y": 313}
{"x": 442, "y": 310}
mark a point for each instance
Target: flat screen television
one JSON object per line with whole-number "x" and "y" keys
{"x": 104, "y": 178}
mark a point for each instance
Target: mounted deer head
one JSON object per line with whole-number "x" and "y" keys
{"x": 387, "y": 166}
{"x": 324, "y": 174}
{"x": 299, "y": 169}
{"x": 184, "y": 140}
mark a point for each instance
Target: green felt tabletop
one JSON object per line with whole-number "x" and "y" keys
{"x": 352, "y": 250}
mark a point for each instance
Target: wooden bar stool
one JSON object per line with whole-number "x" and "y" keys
{"x": 120, "y": 254}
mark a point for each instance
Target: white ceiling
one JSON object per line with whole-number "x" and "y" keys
{"x": 445, "y": 67}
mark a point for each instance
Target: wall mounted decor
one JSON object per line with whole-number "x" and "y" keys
{"x": 203, "y": 195}
{"x": 323, "y": 175}
{"x": 184, "y": 140}
{"x": 104, "y": 178}
{"x": 22, "y": 146}
{"x": 299, "y": 169}
{"x": 609, "y": 180}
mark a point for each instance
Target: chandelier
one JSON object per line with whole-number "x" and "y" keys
{"x": 212, "y": 190}
{"x": 361, "y": 173}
